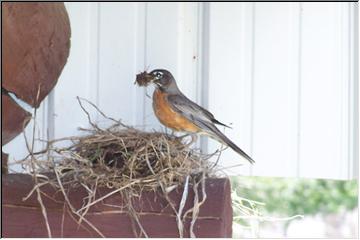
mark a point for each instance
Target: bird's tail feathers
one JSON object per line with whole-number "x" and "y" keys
{"x": 218, "y": 135}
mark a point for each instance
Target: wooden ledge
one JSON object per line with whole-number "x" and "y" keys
{"x": 24, "y": 218}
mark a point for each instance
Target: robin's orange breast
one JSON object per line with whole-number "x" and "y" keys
{"x": 168, "y": 116}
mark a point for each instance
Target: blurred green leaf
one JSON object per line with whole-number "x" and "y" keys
{"x": 289, "y": 197}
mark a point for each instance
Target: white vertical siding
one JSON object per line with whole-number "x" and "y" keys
{"x": 282, "y": 74}
{"x": 116, "y": 60}
{"x": 80, "y": 74}
{"x": 230, "y": 77}
{"x": 324, "y": 90}
{"x": 275, "y": 91}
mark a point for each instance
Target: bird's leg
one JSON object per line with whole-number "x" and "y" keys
{"x": 192, "y": 135}
{"x": 194, "y": 138}
{"x": 184, "y": 136}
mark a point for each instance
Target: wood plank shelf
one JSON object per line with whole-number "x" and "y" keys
{"x": 24, "y": 218}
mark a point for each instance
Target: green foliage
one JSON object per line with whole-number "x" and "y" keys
{"x": 287, "y": 197}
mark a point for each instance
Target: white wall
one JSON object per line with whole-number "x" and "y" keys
{"x": 282, "y": 73}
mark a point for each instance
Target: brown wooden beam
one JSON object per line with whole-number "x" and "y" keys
{"x": 24, "y": 218}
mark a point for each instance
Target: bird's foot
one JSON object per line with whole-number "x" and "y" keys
{"x": 193, "y": 136}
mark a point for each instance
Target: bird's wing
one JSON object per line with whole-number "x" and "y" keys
{"x": 191, "y": 110}
{"x": 203, "y": 119}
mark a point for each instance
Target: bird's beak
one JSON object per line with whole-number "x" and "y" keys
{"x": 152, "y": 79}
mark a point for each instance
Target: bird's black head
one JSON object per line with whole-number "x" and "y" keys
{"x": 163, "y": 79}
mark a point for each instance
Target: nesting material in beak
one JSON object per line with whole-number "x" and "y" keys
{"x": 144, "y": 79}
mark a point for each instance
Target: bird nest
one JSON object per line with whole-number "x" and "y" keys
{"x": 122, "y": 158}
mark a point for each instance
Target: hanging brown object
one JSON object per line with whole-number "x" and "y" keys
{"x": 14, "y": 118}
{"x": 36, "y": 44}
{"x": 4, "y": 160}
{"x": 35, "y": 48}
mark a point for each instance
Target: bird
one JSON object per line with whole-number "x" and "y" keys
{"x": 177, "y": 112}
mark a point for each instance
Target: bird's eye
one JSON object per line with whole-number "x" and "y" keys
{"x": 159, "y": 75}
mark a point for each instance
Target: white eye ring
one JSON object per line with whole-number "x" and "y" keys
{"x": 159, "y": 75}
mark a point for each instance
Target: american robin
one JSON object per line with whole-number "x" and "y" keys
{"x": 176, "y": 111}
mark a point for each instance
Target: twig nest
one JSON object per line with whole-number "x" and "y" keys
{"x": 128, "y": 161}
{"x": 122, "y": 156}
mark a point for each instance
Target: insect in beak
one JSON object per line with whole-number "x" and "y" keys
{"x": 144, "y": 79}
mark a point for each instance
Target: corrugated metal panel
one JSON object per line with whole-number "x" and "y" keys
{"x": 281, "y": 73}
